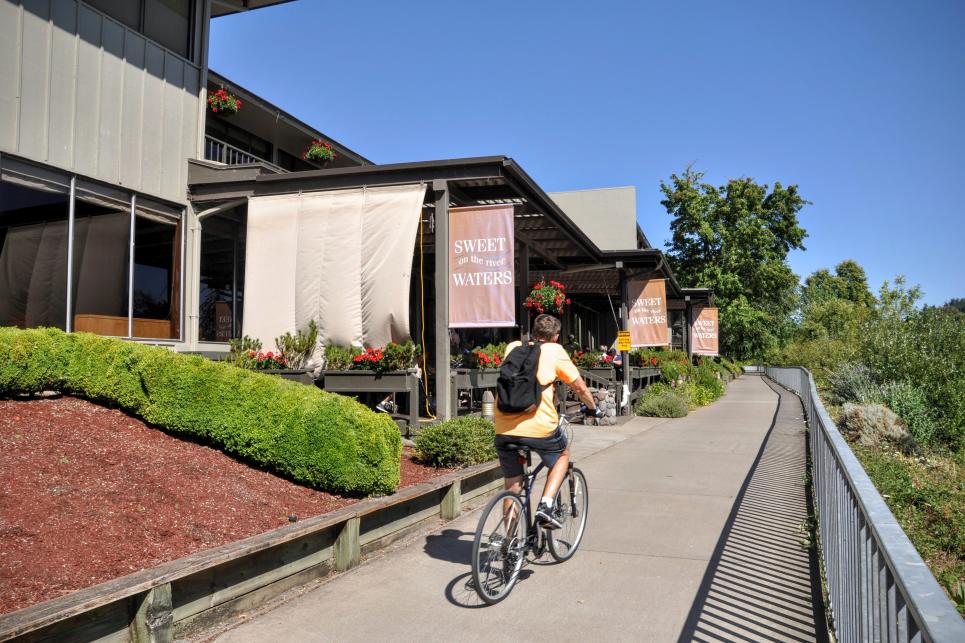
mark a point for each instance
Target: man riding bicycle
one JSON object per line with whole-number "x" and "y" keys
{"x": 539, "y": 429}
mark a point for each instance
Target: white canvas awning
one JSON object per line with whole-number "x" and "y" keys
{"x": 340, "y": 257}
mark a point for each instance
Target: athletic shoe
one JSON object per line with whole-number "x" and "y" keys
{"x": 382, "y": 407}
{"x": 545, "y": 518}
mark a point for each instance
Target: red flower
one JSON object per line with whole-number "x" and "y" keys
{"x": 214, "y": 109}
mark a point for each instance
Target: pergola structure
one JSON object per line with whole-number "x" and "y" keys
{"x": 548, "y": 243}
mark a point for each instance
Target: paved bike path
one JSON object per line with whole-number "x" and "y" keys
{"x": 662, "y": 493}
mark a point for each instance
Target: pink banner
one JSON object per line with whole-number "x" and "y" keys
{"x": 482, "y": 280}
{"x": 648, "y": 313}
{"x": 705, "y": 331}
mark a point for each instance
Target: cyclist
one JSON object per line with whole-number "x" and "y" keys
{"x": 539, "y": 430}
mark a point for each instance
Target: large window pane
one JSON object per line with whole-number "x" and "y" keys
{"x": 126, "y": 11}
{"x": 102, "y": 228}
{"x": 222, "y": 276}
{"x": 168, "y": 22}
{"x": 157, "y": 276}
{"x": 33, "y": 256}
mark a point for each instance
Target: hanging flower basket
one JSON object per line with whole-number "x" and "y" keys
{"x": 320, "y": 152}
{"x": 221, "y": 102}
{"x": 548, "y": 297}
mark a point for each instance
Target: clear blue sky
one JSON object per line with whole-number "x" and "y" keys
{"x": 862, "y": 104}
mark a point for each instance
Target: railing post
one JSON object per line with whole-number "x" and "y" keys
{"x": 348, "y": 551}
{"x": 153, "y": 621}
{"x": 451, "y": 505}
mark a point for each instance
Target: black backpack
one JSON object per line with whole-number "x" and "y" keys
{"x": 517, "y": 389}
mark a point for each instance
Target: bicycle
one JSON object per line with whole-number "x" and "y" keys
{"x": 506, "y": 533}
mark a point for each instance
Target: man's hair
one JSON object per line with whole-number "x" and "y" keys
{"x": 546, "y": 327}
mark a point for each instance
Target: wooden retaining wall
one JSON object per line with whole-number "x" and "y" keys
{"x": 191, "y": 593}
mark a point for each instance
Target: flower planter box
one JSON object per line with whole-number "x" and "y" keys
{"x": 469, "y": 379}
{"x": 371, "y": 382}
{"x": 607, "y": 373}
{"x": 301, "y": 375}
{"x": 642, "y": 372}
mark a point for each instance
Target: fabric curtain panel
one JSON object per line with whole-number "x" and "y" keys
{"x": 342, "y": 258}
{"x": 33, "y": 275}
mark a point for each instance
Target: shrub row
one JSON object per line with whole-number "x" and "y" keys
{"x": 324, "y": 440}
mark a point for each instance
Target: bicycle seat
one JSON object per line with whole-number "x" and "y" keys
{"x": 514, "y": 446}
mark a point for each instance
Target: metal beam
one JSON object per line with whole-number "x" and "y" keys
{"x": 534, "y": 246}
{"x": 441, "y": 250}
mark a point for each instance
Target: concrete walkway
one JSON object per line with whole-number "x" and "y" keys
{"x": 693, "y": 534}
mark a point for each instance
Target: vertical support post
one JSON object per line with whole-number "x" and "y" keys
{"x": 688, "y": 328}
{"x": 624, "y": 355}
{"x": 443, "y": 402}
{"x": 348, "y": 550}
{"x": 69, "y": 322}
{"x": 522, "y": 287}
{"x": 234, "y": 279}
{"x": 130, "y": 270}
{"x": 153, "y": 622}
{"x": 451, "y": 505}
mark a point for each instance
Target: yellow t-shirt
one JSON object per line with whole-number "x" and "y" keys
{"x": 554, "y": 363}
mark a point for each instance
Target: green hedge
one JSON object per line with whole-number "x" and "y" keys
{"x": 324, "y": 440}
{"x": 458, "y": 442}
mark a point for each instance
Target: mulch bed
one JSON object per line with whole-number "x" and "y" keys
{"x": 88, "y": 494}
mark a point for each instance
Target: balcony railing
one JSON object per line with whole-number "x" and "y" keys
{"x": 879, "y": 587}
{"x": 221, "y": 152}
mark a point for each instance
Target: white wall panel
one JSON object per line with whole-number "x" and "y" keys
{"x": 87, "y": 106}
{"x": 34, "y": 79}
{"x": 83, "y": 93}
{"x": 63, "y": 81}
{"x": 9, "y": 73}
{"x": 152, "y": 134}
{"x": 112, "y": 75}
{"x": 132, "y": 97}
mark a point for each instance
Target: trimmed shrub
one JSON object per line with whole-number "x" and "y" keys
{"x": 874, "y": 425}
{"x": 459, "y": 442}
{"x": 320, "y": 439}
{"x": 340, "y": 358}
{"x": 662, "y": 402}
{"x": 912, "y": 407}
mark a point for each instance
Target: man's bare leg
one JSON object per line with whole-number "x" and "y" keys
{"x": 556, "y": 475}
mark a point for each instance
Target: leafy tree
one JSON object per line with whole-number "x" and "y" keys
{"x": 957, "y": 303}
{"x": 848, "y": 282}
{"x": 735, "y": 238}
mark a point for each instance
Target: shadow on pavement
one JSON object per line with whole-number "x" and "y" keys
{"x": 762, "y": 582}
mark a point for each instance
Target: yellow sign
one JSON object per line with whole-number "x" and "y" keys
{"x": 623, "y": 340}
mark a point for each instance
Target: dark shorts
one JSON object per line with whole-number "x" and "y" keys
{"x": 549, "y": 449}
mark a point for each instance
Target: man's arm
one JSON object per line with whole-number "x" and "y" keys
{"x": 583, "y": 392}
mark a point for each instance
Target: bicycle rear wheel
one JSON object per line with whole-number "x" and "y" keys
{"x": 570, "y": 508}
{"x": 499, "y": 547}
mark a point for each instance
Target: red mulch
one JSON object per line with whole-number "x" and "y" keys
{"x": 88, "y": 494}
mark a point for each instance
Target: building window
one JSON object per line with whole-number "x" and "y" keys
{"x": 156, "y": 286}
{"x": 166, "y": 22}
{"x": 292, "y": 163}
{"x": 87, "y": 284}
{"x": 33, "y": 254}
{"x": 222, "y": 276}
{"x": 236, "y": 137}
{"x": 102, "y": 230}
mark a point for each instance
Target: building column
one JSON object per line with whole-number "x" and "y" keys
{"x": 522, "y": 289}
{"x": 624, "y": 325}
{"x": 441, "y": 249}
{"x": 688, "y": 327}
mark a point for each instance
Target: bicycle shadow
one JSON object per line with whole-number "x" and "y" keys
{"x": 461, "y": 591}
{"x": 450, "y": 545}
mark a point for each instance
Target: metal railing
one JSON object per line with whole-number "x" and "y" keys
{"x": 880, "y": 589}
{"x": 221, "y": 152}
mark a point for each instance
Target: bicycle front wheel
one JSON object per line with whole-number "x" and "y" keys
{"x": 570, "y": 508}
{"x": 499, "y": 548}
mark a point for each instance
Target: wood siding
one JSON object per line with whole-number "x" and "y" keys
{"x": 83, "y": 93}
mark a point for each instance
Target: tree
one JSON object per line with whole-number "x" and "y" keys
{"x": 735, "y": 239}
{"x": 848, "y": 282}
{"x": 957, "y": 303}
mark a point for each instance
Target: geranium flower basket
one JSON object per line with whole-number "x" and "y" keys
{"x": 320, "y": 152}
{"x": 221, "y": 102}
{"x": 547, "y": 297}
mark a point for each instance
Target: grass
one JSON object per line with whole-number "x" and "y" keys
{"x": 927, "y": 496}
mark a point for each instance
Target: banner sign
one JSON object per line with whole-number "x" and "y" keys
{"x": 704, "y": 333}
{"x": 482, "y": 284}
{"x": 648, "y": 312}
